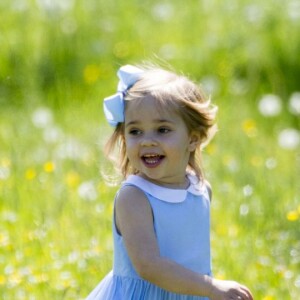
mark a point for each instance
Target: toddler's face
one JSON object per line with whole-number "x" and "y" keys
{"x": 158, "y": 143}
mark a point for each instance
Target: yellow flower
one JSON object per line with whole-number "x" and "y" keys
{"x": 5, "y": 162}
{"x": 268, "y": 297}
{"x": 41, "y": 277}
{"x": 249, "y": 127}
{"x": 292, "y": 215}
{"x": 2, "y": 279}
{"x": 233, "y": 231}
{"x": 210, "y": 149}
{"x": 49, "y": 167}
{"x": 15, "y": 279}
{"x": 4, "y": 239}
{"x": 30, "y": 174}
{"x": 72, "y": 179}
{"x": 221, "y": 230}
{"x": 31, "y": 236}
{"x": 91, "y": 73}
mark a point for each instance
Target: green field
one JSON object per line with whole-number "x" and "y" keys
{"x": 58, "y": 60}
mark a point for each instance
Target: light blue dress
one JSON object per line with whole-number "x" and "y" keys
{"x": 182, "y": 226}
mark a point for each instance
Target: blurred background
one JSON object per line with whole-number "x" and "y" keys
{"x": 58, "y": 59}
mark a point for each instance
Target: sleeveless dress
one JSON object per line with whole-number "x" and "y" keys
{"x": 181, "y": 220}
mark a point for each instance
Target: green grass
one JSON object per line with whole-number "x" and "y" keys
{"x": 55, "y": 203}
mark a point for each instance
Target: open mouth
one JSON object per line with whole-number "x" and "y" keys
{"x": 152, "y": 160}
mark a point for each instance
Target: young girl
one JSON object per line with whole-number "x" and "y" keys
{"x": 161, "y": 214}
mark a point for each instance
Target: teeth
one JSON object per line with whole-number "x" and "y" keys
{"x": 151, "y": 155}
{"x": 151, "y": 158}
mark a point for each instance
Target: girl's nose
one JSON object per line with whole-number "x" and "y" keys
{"x": 148, "y": 141}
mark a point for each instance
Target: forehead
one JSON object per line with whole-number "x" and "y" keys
{"x": 151, "y": 106}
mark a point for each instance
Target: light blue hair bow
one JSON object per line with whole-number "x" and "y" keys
{"x": 114, "y": 105}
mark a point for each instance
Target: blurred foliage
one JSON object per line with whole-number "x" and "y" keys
{"x": 65, "y": 47}
{"x": 58, "y": 59}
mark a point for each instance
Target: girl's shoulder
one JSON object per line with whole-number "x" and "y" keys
{"x": 130, "y": 193}
{"x": 131, "y": 196}
{"x": 131, "y": 207}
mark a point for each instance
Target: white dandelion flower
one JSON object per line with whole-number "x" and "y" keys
{"x": 42, "y": 117}
{"x": 71, "y": 148}
{"x": 271, "y": 163}
{"x": 4, "y": 173}
{"x": 52, "y": 134}
{"x": 9, "y": 217}
{"x": 87, "y": 191}
{"x": 244, "y": 209}
{"x": 289, "y": 139}
{"x": 297, "y": 282}
{"x": 56, "y": 5}
{"x": 294, "y": 103}
{"x": 293, "y": 10}
{"x": 253, "y": 13}
{"x": 168, "y": 51}
{"x": 210, "y": 84}
{"x": 247, "y": 190}
{"x": 163, "y": 11}
{"x": 270, "y": 105}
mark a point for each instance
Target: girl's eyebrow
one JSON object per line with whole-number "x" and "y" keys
{"x": 155, "y": 121}
{"x": 132, "y": 123}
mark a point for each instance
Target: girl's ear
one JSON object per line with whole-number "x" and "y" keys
{"x": 195, "y": 140}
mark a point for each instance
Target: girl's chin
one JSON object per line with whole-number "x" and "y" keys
{"x": 151, "y": 177}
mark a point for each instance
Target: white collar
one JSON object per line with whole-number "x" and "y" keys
{"x": 167, "y": 194}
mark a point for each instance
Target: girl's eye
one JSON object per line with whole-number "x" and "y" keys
{"x": 164, "y": 130}
{"x": 135, "y": 132}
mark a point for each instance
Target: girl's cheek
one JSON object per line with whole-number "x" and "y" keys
{"x": 130, "y": 148}
{"x": 130, "y": 142}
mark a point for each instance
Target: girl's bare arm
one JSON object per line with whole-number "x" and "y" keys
{"x": 134, "y": 220}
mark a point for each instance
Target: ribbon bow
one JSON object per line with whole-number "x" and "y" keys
{"x": 114, "y": 105}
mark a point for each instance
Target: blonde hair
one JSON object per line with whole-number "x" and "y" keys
{"x": 172, "y": 92}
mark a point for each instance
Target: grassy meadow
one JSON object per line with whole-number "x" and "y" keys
{"x": 58, "y": 59}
